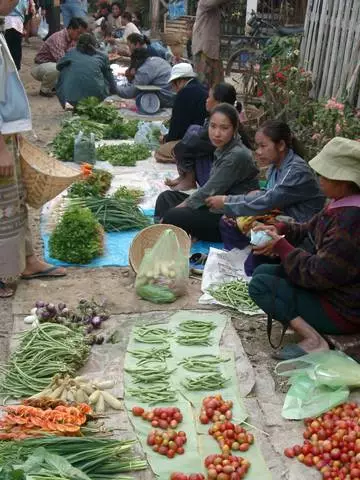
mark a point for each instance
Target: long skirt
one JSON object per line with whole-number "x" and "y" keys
{"x": 210, "y": 71}
{"x": 15, "y": 242}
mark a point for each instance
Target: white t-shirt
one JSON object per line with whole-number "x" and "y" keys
{"x": 129, "y": 29}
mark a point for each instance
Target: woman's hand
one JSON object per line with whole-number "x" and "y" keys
{"x": 217, "y": 202}
{"x": 181, "y": 205}
{"x": 267, "y": 249}
{"x": 6, "y": 160}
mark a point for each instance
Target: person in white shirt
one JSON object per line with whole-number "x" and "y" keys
{"x": 130, "y": 27}
{"x": 14, "y": 29}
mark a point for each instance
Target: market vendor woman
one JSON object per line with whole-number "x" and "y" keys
{"x": 317, "y": 292}
{"x": 233, "y": 171}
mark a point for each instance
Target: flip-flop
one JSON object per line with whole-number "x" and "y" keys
{"x": 197, "y": 263}
{"x": 5, "y": 292}
{"x": 289, "y": 352}
{"x": 48, "y": 273}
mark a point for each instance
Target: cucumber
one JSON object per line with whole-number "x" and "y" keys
{"x": 156, "y": 293}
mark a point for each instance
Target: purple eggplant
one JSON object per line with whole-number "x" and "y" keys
{"x": 39, "y": 304}
{"x": 96, "y": 322}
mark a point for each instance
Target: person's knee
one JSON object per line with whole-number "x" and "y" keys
{"x": 260, "y": 287}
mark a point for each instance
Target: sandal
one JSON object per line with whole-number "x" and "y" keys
{"x": 197, "y": 263}
{"x": 5, "y": 292}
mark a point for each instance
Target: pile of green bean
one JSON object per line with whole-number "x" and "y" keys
{"x": 203, "y": 363}
{"x": 153, "y": 373}
{"x": 152, "y": 334}
{"x": 209, "y": 381}
{"x": 196, "y": 326}
{"x": 189, "y": 339}
{"x": 154, "y": 354}
{"x": 43, "y": 352}
{"x": 235, "y": 294}
{"x": 154, "y": 393}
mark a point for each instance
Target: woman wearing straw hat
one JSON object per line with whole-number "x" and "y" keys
{"x": 16, "y": 252}
{"x": 319, "y": 292}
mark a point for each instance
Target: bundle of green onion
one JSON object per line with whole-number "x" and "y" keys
{"x": 115, "y": 215}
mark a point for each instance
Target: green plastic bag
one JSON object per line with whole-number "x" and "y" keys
{"x": 319, "y": 381}
{"x": 307, "y": 399}
{"x": 164, "y": 271}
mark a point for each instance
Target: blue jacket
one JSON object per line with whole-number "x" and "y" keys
{"x": 189, "y": 109}
{"x": 293, "y": 189}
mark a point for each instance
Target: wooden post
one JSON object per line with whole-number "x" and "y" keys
{"x": 155, "y": 19}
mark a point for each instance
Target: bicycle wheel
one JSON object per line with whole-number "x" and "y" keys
{"x": 243, "y": 68}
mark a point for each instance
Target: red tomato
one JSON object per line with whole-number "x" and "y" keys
{"x": 163, "y": 450}
{"x": 180, "y": 450}
{"x": 137, "y": 411}
{"x": 178, "y": 476}
{"x": 170, "y": 453}
{"x": 196, "y": 476}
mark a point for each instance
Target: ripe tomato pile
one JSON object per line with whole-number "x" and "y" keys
{"x": 215, "y": 409}
{"x": 165, "y": 417}
{"x": 332, "y": 443}
{"x": 183, "y": 476}
{"x": 169, "y": 443}
{"x": 226, "y": 467}
{"x": 231, "y": 437}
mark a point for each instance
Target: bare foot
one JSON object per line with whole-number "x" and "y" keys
{"x": 172, "y": 182}
{"x": 185, "y": 185}
{"x": 314, "y": 344}
{"x": 36, "y": 266}
{"x": 5, "y": 291}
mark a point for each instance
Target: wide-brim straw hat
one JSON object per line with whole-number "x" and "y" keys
{"x": 43, "y": 176}
{"x": 339, "y": 160}
{"x": 149, "y": 236}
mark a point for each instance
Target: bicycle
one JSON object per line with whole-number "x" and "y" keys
{"x": 245, "y": 62}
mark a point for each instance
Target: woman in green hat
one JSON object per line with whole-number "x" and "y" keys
{"x": 317, "y": 292}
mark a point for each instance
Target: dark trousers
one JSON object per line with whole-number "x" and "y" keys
{"x": 273, "y": 292}
{"x": 200, "y": 223}
{"x": 53, "y": 20}
{"x": 14, "y": 41}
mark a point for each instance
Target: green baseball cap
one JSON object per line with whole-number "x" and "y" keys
{"x": 339, "y": 160}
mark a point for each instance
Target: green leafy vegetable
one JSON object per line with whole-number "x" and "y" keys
{"x": 96, "y": 184}
{"x": 78, "y": 237}
{"x": 125, "y": 193}
{"x": 97, "y": 111}
{"x": 115, "y": 215}
{"x": 120, "y": 129}
{"x": 122, "y": 155}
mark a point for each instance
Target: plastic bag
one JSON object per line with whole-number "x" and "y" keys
{"x": 84, "y": 148}
{"x": 307, "y": 399}
{"x": 332, "y": 368}
{"x": 319, "y": 381}
{"x": 43, "y": 29}
{"x": 148, "y": 133}
{"x": 164, "y": 271}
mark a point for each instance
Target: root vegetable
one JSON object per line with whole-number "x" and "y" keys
{"x": 111, "y": 401}
{"x": 94, "y": 397}
{"x": 100, "y": 404}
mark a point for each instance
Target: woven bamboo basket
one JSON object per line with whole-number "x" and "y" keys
{"x": 148, "y": 237}
{"x": 253, "y": 115}
{"x": 44, "y": 177}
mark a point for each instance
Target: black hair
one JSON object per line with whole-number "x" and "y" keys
{"x": 229, "y": 111}
{"x": 118, "y": 4}
{"x": 226, "y": 93}
{"x": 76, "y": 23}
{"x": 127, "y": 16}
{"x": 87, "y": 44}
{"x": 279, "y": 131}
{"x": 138, "y": 58}
{"x": 138, "y": 15}
{"x": 135, "y": 38}
{"x": 104, "y": 5}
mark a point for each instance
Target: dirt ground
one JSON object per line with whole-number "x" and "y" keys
{"x": 116, "y": 285}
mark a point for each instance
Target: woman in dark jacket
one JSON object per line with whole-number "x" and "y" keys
{"x": 233, "y": 171}
{"x": 84, "y": 72}
{"x": 194, "y": 154}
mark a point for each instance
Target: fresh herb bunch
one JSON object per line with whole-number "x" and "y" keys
{"x": 125, "y": 193}
{"x": 122, "y": 155}
{"x": 96, "y": 184}
{"x": 121, "y": 129}
{"x": 64, "y": 142}
{"x": 78, "y": 237}
{"x": 115, "y": 215}
{"x": 93, "y": 108}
